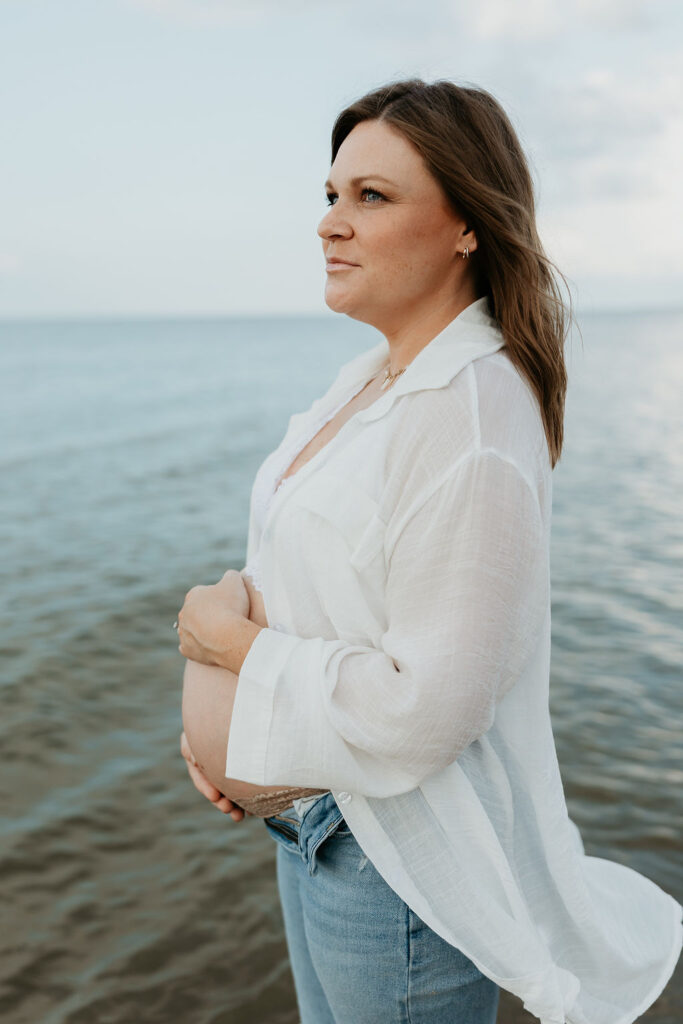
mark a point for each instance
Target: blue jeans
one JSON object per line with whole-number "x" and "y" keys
{"x": 359, "y": 954}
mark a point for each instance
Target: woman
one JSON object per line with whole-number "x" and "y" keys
{"x": 401, "y": 668}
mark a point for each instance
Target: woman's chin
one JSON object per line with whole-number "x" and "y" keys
{"x": 340, "y": 300}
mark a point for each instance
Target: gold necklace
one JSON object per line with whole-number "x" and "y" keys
{"x": 389, "y": 378}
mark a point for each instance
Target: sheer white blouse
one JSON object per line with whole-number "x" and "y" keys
{"x": 405, "y": 570}
{"x": 266, "y": 485}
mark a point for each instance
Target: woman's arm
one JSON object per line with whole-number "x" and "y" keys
{"x": 208, "y": 697}
{"x": 466, "y": 606}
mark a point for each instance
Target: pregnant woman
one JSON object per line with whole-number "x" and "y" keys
{"x": 374, "y": 684}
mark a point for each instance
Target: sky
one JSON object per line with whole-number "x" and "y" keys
{"x": 167, "y": 157}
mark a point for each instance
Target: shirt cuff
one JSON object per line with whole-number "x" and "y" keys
{"x": 252, "y": 712}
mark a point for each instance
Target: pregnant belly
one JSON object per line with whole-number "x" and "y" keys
{"x": 208, "y": 698}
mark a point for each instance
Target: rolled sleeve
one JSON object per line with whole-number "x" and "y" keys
{"x": 252, "y": 712}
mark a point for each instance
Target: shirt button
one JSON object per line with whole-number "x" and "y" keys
{"x": 279, "y": 627}
{"x": 344, "y": 797}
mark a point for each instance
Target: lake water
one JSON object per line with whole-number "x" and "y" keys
{"x": 128, "y": 452}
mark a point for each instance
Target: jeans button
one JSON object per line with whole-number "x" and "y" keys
{"x": 344, "y": 797}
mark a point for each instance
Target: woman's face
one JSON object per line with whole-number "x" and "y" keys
{"x": 391, "y": 220}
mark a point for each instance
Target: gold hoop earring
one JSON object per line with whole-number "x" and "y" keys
{"x": 466, "y": 253}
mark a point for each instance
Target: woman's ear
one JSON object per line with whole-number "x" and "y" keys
{"x": 467, "y": 239}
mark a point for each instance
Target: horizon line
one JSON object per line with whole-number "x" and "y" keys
{"x": 133, "y": 317}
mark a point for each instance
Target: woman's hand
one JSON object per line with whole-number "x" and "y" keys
{"x": 206, "y": 788}
{"x": 257, "y": 608}
{"x": 233, "y": 591}
{"x": 208, "y": 693}
{"x": 207, "y": 613}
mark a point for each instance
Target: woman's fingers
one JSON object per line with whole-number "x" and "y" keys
{"x": 228, "y": 807}
{"x": 189, "y": 647}
{"x": 185, "y": 749}
{"x": 257, "y": 610}
{"x": 207, "y": 789}
{"x": 233, "y": 588}
{"x": 201, "y": 783}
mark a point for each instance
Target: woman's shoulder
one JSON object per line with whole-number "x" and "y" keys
{"x": 488, "y": 405}
{"x": 508, "y": 412}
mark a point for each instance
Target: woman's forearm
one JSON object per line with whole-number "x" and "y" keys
{"x": 208, "y": 699}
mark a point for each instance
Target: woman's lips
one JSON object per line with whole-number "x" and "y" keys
{"x": 340, "y": 266}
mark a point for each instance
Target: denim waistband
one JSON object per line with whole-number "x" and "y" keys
{"x": 304, "y": 836}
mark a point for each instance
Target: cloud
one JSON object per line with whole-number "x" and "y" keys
{"x": 223, "y": 12}
{"x": 606, "y": 111}
{"x": 618, "y": 14}
{"x": 533, "y": 20}
{"x": 491, "y": 19}
{"x": 603, "y": 134}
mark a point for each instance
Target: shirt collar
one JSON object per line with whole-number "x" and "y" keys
{"x": 471, "y": 334}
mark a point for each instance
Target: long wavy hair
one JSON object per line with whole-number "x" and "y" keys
{"x": 470, "y": 147}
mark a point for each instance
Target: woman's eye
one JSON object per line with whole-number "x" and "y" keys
{"x": 332, "y": 196}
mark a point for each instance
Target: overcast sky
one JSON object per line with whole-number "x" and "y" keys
{"x": 168, "y": 156}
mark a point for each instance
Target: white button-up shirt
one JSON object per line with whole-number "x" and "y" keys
{"x": 408, "y": 563}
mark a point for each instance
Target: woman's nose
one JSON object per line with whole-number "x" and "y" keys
{"x": 333, "y": 224}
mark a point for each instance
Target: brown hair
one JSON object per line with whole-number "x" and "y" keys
{"x": 469, "y": 145}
